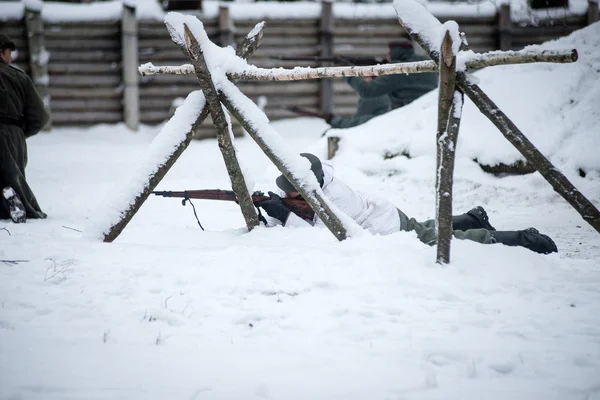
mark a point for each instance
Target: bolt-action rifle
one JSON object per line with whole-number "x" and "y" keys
{"x": 298, "y": 206}
{"x": 337, "y": 60}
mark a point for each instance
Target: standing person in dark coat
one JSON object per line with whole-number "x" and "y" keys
{"x": 402, "y": 89}
{"x": 22, "y": 115}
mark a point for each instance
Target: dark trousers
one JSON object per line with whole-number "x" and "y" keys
{"x": 13, "y": 159}
{"x": 426, "y": 231}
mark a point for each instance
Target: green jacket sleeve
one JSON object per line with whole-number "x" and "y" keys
{"x": 376, "y": 87}
{"x": 34, "y": 113}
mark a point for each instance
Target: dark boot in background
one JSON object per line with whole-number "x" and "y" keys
{"x": 529, "y": 238}
{"x": 17, "y": 210}
{"x": 476, "y": 218}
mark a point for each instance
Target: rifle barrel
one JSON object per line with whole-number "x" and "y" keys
{"x": 297, "y": 206}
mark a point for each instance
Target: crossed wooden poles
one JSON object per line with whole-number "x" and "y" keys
{"x": 453, "y": 85}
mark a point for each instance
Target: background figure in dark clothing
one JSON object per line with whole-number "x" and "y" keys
{"x": 402, "y": 89}
{"x": 22, "y": 115}
{"x": 366, "y": 109}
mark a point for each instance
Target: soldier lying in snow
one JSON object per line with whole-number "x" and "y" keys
{"x": 380, "y": 216}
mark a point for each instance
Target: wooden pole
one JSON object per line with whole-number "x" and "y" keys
{"x": 38, "y": 56}
{"x": 504, "y": 28}
{"x": 248, "y": 46}
{"x": 326, "y": 41}
{"x": 224, "y": 133}
{"x": 592, "y": 15}
{"x": 477, "y": 61}
{"x": 446, "y": 143}
{"x": 225, "y": 27}
{"x": 557, "y": 180}
{"x": 129, "y": 46}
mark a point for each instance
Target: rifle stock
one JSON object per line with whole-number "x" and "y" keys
{"x": 298, "y": 206}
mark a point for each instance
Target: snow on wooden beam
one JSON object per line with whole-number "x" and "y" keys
{"x": 468, "y": 60}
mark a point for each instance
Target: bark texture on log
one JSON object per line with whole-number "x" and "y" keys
{"x": 557, "y": 180}
{"x": 521, "y": 57}
{"x": 314, "y": 199}
{"x": 238, "y": 182}
{"x": 474, "y": 62}
{"x": 446, "y": 143}
{"x": 251, "y": 41}
{"x": 162, "y": 169}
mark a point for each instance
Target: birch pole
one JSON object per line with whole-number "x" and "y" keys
{"x": 238, "y": 182}
{"x": 474, "y": 62}
{"x": 557, "y": 180}
{"x": 248, "y": 46}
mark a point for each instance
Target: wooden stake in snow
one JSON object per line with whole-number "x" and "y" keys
{"x": 238, "y": 183}
{"x": 129, "y": 40}
{"x": 557, "y": 180}
{"x": 447, "y": 135}
{"x": 476, "y": 61}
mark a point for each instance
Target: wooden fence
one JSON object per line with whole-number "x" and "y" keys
{"x": 86, "y": 67}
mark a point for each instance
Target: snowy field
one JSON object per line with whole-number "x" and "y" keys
{"x": 169, "y": 311}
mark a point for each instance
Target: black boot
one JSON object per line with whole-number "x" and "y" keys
{"x": 529, "y": 238}
{"x": 17, "y": 210}
{"x": 477, "y": 218}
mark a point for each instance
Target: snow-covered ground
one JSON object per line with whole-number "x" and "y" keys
{"x": 171, "y": 311}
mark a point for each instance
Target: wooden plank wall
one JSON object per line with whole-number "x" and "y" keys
{"x": 85, "y": 72}
{"x": 86, "y": 68}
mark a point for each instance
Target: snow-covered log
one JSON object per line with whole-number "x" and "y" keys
{"x": 473, "y": 61}
{"x": 447, "y": 135}
{"x": 424, "y": 28}
{"x": 469, "y": 60}
{"x": 169, "y": 154}
{"x": 238, "y": 182}
{"x": 300, "y": 73}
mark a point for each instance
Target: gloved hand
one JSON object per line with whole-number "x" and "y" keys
{"x": 275, "y": 207}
